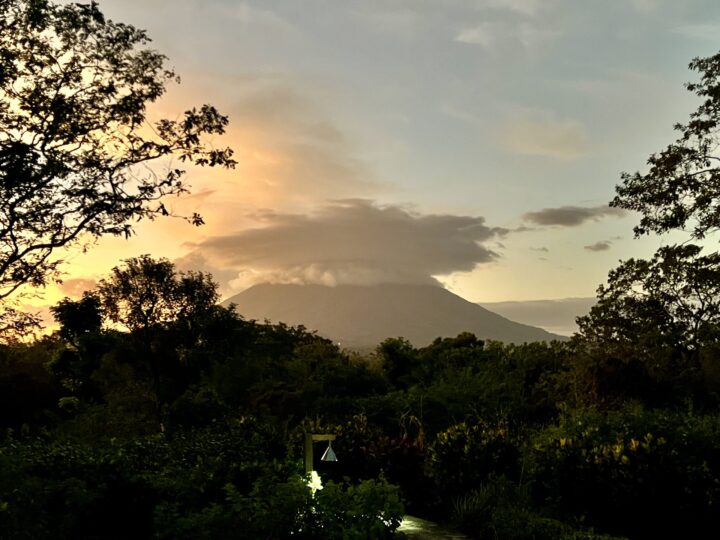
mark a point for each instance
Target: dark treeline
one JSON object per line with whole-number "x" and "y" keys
{"x": 189, "y": 423}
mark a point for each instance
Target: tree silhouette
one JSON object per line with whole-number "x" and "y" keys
{"x": 670, "y": 302}
{"x": 682, "y": 185}
{"x": 148, "y": 296}
{"x": 75, "y": 145}
{"x": 665, "y": 312}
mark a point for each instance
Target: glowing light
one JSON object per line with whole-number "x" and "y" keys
{"x": 315, "y": 482}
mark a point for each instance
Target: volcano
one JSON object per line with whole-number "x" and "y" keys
{"x": 363, "y": 316}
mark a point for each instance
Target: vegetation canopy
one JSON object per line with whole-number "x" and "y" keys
{"x": 671, "y": 300}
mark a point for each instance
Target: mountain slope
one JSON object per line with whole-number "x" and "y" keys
{"x": 360, "y": 316}
{"x": 553, "y": 315}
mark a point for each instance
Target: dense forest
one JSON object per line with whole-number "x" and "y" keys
{"x": 154, "y": 412}
{"x": 189, "y": 422}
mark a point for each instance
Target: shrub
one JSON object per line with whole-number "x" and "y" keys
{"x": 499, "y": 510}
{"x": 464, "y": 456}
{"x": 640, "y": 473}
{"x": 225, "y": 481}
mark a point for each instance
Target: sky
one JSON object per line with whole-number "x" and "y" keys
{"x": 474, "y": 143}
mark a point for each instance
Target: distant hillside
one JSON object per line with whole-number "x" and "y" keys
{"x": 556, "y": 316}
{"x": 358, "y": 316}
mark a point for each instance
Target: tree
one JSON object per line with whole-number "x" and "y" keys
{"x": 654, "y": 323}
{"x": 75, "y": 144}
{"x": 81, "y": 327}
{"x": 78, "y": 318}
{"x": 16, "y": 324}
{"x": 682, "y": 185}
{"x": 148, "y": 296}
{"x": 673, "y": 297}
{"x": 663, "y": 314}
{"x": 399, "y": 359}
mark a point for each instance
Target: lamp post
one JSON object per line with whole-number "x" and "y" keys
{"x": 329, "y": 454}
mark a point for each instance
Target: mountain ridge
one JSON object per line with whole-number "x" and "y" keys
{"x": 363, "y": 316}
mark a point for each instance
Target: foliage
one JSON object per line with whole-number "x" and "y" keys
{"x": 659, "y": 317}
{"x": 78, "y": 319}
{"x": 670, "y": 302}
{"x": 654, "y": 324}
{"x": 500, "y": 510}
{"x": 637, "y": 473}
{"x": 492, "y": 434}
{"x": 74, "y": 141}
{"x": 212, "y": 473}
{"x": 681, "y": 185}
{"x": 398, "y": 358}
{"x": 211, "y": 483}
{"x": 17, "y": 325}
{"x": 152, "y": 300}
{"x": 368, "y": 452}
{"x": 280, "y": 509}
{"x": 28, "y": 393}
{"x": 371, "y": 509}
{"x": 145, "y": 294}
{"x": 464, "y": 456}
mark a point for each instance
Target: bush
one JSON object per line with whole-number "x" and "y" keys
{"x": 499, "y": 510}
{"x": 638, "y": 473}
{"x": 465, "y": 456}
{"x": 368, "y": 510}
{"x": 226, "y": 481}
{"x": 279, "y": 509}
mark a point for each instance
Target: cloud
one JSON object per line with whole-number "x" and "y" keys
{"x": 645, "y": 6}
{"x": 400, "y": 21}
{"x": 74, "y": 288}
{"x": 248, "y": 15}
{"x": 459, "y": 113}
{"x": 482, "y": 35}
{"x": 527, "y": 8}
{"x": 541, "y": 133}
{"x": 352, "y": 241}
{"x": 289, "y": 149}
{"x": 702, "y": 32}
{"x": 602, "y": 245}
{"x": 489, "y": 34}
{"x": 507, "y": 23}
{"x": 196, "y": 261}
{"x": 571, "y": 216}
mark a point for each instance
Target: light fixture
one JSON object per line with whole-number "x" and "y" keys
{"x": 329, "y": 454}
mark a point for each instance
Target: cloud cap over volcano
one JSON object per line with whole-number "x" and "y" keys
{"x": 352, "y": 241}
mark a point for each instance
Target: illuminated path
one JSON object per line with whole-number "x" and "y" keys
{"x": 420, "y": 529}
